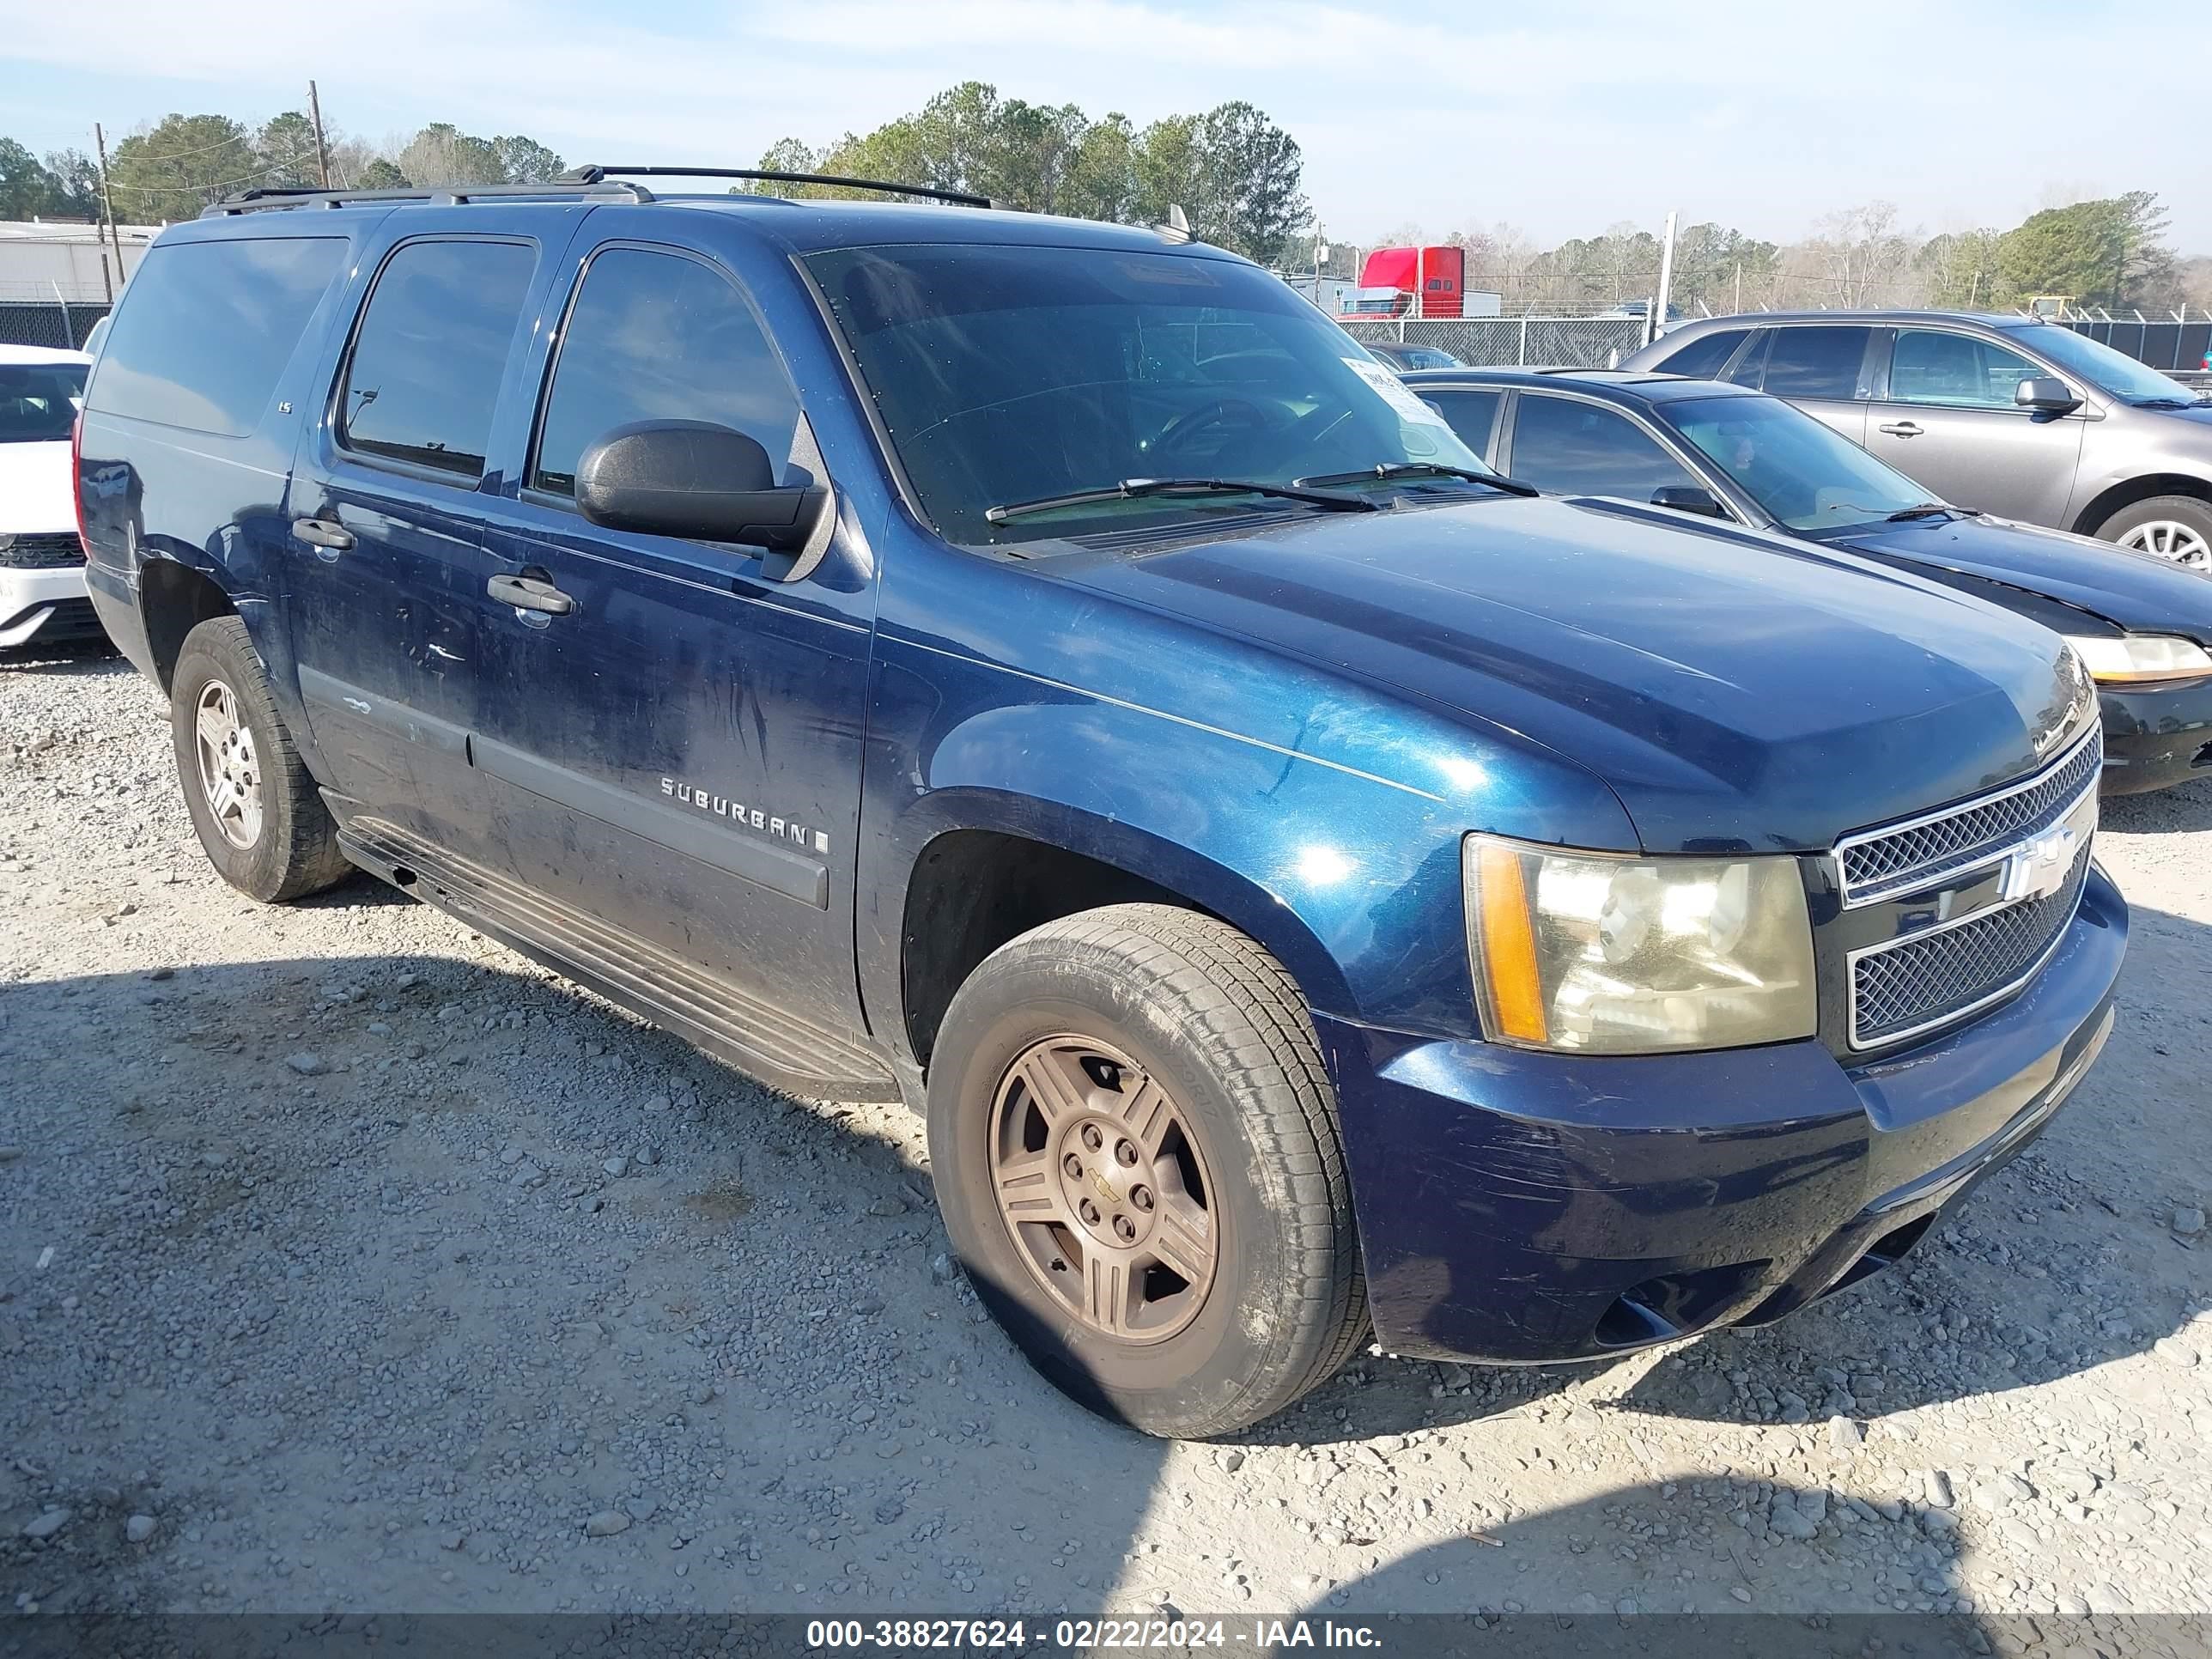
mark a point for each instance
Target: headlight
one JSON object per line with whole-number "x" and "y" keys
{"x": 2139, "y": 659}
{"x": 1606, "y": 955}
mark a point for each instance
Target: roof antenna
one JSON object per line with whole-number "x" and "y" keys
{"x": 1177, "y": 227}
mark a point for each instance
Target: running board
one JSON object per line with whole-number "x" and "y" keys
{"x": 651, "y": 981}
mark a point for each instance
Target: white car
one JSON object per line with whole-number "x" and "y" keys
{"x": 41, "y": 561}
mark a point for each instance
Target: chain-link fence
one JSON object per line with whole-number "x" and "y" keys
{"x": 1496, "y": 342}
{"x": 48, "y": 323}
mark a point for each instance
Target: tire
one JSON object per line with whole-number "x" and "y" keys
{"x": 1187, "y": 1026}
{"x": 2176, "y": 527}
{"x": 288, "y": 846}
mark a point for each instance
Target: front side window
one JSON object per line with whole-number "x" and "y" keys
{"x": 1574, "y": 448}
{"x": 38, "y": 401}
{"x": 1703, "y": 357}
{"x": 1800, "y": 470}
{"x": 1471, "y": 415}
{"x": 424, "y": 376}
{"x": 1817, "y": 361}
{"x": 656, "y": 336}
{"x": 1008, "y": 375}
{"x": 1934, "y": 366}
{"x": 204, "y": 330}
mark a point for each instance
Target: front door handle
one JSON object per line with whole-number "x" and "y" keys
{"x": 327, "y": 536}
{"x": 1903, "y": 428}
{"x": 530, "y": 592}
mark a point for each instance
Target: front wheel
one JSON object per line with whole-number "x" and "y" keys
{"x": 2176, "y": 527}
{"x": 1136, "y": 1152}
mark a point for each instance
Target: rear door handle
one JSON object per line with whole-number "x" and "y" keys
{"x": 328, "y": 538}
{"x": 530, "y": 592}
{"x": 1903, "y": 428}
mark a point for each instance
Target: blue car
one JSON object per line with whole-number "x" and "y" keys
{"x": 1313, "y": 885}
{"x": 2141, "y": 625}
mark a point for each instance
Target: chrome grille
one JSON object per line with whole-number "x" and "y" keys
{"x": 1878, "y": 863}
{"x": 40, "y": 552}
{"x": 1927, "y": 979}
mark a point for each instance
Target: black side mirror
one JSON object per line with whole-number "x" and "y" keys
{"x": 2047, "y": 393}
{"x": 1688, "y": 498}
{"x": 698, "y": 481}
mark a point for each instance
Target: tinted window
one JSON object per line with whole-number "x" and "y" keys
{"x": 38, "y": 401}
{"x": 1803, "y": 473}
{"x": 1816, "y": 362}
{"x": 655, "y": 338}
{"x": 1009, "y": 374}
{"x": 1580, "y": 449}
{"x": 1472, "y": 415}
{"x": 1930, "y": 365}
{"x": 1754, "y": 363}
{"x": 1702, "y": 358}
{"x": 427, "y": 364}
{"x": 205, "y": 328}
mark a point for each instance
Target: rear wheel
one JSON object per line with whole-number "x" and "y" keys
{"x": 2176, "y": 527}
{"x": 1136, "y": 1152}
{"x": 255, "y": 808}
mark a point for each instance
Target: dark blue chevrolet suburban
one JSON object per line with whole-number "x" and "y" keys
{"x": 1046, "y": 671}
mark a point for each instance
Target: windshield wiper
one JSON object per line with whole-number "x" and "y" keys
{"x": 1135, "y": 488}
{"x": 1425, "y": 469}
{"x": 2169, "y": 403}
{"x": 1927, "y": 510}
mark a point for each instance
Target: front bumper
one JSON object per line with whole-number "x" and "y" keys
{"x": 46, "y": 604}
{"x": 1525, "y": 1208}
{"x": 2156, "y": 736}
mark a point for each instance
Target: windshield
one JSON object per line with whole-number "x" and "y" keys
{"x": 38, "y": 401}
{"x": 1007, "y": 375}
{"x": 2095, "y": 361}
{"x": 1803, "y": 473}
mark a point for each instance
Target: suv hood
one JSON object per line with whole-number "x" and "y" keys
{"x": 1738, "y": 691}
{"x": 2137, "y": 592}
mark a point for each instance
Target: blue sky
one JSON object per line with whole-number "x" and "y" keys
{"x": 1560, "y": 120}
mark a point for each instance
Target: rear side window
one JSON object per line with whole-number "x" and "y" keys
{"x": 1702, "y": 358}
{"x": 207, "y": 328}
{"x": 1471, "y": 415}
{"x": 1817, "y": 362}
{"x": 1579, "y": 449}
{"x": 423, "y": 379}
{"x": 656, "y": 337}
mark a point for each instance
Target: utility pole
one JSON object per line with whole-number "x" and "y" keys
{"x": 1739, "y": 287}
{"x": 1654, "y": 323}
{"x": 322, "y": 150}
{"x": 107, "y": 207}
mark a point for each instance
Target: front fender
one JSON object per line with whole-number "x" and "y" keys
{"x": 1351, "y": 877}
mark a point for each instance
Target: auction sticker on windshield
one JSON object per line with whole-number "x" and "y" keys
{"x": 1394, "y": 393}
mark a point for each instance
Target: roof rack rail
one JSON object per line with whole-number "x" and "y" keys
{"x": 262, "y": 198}
{"x": 595, "y": 174}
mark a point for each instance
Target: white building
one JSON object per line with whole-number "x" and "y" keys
{"x": 45, "y": 261}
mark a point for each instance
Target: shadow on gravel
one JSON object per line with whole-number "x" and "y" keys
{"x": 2188, "y": 807}
{"x": 1756, "y": 1568}
{"x": 79, "y": 659}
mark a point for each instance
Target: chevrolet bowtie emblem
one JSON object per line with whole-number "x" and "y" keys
{"x": 2036, "y": 868}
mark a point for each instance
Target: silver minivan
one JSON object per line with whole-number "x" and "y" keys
{"x": 2010, "y": 416}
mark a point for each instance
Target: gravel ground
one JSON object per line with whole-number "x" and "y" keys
{"x": 350, "y": 1262}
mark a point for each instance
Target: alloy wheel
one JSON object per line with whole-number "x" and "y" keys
{"x": 230, "y": 771}
{"x": 2169, "y": 538}
{"x": 1102, "y": 1181}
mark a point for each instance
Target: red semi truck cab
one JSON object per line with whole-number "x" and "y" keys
{"x": 1411, "y": 281}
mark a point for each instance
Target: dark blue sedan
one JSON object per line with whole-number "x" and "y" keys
{"x": 2141, "y": 625}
